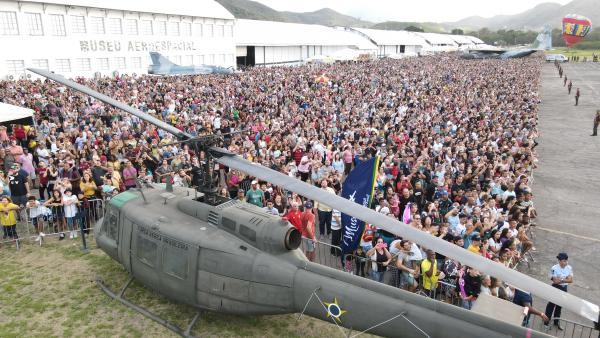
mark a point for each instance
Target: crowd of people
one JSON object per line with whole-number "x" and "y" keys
{"x": 456, "y": 140}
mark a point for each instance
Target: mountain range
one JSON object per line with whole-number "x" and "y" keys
{"x": 547, "y": 13}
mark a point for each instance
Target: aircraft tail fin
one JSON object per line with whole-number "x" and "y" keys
{"x": 159, "y": 60}
{"x": 543, "y": 40}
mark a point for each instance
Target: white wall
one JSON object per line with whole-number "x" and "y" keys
{"x": 207, "y": 41}
{"x": 275, "y": 55}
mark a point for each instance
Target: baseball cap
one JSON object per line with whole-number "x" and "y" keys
{"x": 254, "y": 182}
{"x": 308, "y": 205}
{"x": 562, "y": 256}
{"x": 476, "y": 238}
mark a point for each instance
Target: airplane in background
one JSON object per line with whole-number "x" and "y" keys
{"x": 162, "y": 66}
{"x": 542, "y": 42}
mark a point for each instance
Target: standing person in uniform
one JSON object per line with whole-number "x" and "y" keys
{"x": 570, "y": 86}
{"x": 596, "y": 123}
{"x": 577, "y": 95}
{"x": 561, "y": 275}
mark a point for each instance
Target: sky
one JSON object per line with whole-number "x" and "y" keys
{"x": 407, "y": 10}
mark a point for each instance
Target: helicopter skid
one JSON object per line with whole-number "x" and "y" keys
{"x": 120, "y": 297}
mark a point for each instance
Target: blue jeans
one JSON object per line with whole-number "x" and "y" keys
{"x": 467, "y": 304}
{"x": 377, "y": 276}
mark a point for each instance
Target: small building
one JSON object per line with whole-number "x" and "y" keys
{"x": 394, "y": 42}
{"x": 90, "y": 37}
{"x": 268, "y": 43}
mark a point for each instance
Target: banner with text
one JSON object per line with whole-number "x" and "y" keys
{"x": 358, "y": 188}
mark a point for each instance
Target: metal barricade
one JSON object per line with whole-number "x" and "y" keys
{"x": 570, "y": 328}
{"x": 39, "y": 223}
{"x": 324, "y": 253}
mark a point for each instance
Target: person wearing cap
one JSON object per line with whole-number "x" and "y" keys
{"x": 18, "y": 183}
{"x": 255, "y": 195}
{"x": 307, "y": 218}
{"x": 475, "y": 246}
{"x": 561, "y": 275}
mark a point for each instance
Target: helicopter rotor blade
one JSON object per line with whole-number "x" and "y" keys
{"x": 205, "y": 137}
{"x": 519, "y": 280}
{"x": 569, "y": 301}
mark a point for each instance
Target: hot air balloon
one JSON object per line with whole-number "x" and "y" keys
{"x": 575, "y": 27}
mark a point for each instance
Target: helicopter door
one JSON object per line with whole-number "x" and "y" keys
{"x": 177, "y": 278}
{"x": 145, "y": 254}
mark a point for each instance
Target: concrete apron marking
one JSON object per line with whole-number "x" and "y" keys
{"x": 567, "y": 233}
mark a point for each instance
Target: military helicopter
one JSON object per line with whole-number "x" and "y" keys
{"x": 225, "y": 256}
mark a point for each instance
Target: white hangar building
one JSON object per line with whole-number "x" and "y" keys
{"x": 439, "y": 42}
{"x": 393, "y": 42}
{"x": 82, "y": 37}
{"x": 265, "y": 43}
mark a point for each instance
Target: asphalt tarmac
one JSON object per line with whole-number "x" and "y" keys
{"x": 566, "y": 183}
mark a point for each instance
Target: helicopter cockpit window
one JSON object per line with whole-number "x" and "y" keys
{"x": 175, "y": 262}
{"x": 112, "y": 227}
{"x": 146, "y": 250}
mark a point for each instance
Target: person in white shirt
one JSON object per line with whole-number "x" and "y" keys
{"x": 70, "y": 202}
{"x": 336, "y": 231}
{"x": 561, "y": 275}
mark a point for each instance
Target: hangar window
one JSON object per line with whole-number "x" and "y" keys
{"x": 146, "y": 250}
{"x": 197, "y": 29}
{"x": 57, "y": 25}
{"x": 63, "y": 65}
{"x": 131, "y": 26}
{"x": 161, "y": 28}
{"x": 102, "y": 63}
{"x": 146, "y": 27}
{"x": 115, "y": 26}
{"x": 84, "y": 64}
{"x": 78, "y": 24}
{"x": 120, "y": 63}
{"x": 15, "y": 67}
{"x": 220, "y": 31}
{"x": 229, "y": 31}
{"x": 208, "y": 30}
{"x": 34, "y": 23}
{"x": 97, "y": 25}
{"x": 40, "y": 63}
{"x": 175, "y": 262}
{"x": 186, "y": 29}
{"x": 8, "y": 23}
{"x": 174, "y": 28}
{"x": 188, "y": 60}
{"x": 136, "y": 62}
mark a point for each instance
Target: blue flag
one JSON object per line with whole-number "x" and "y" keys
{"x": 358, "y": 188}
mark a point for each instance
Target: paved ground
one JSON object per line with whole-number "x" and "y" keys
{"x": 567, "y": 181}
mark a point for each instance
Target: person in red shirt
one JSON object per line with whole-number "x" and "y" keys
{"x": 308, "y": 230}
{"x": 294, "y": 217}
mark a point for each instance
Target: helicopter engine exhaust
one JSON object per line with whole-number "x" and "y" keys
{"x": 293, "y": 238}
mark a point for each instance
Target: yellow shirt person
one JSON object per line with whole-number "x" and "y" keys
{"x": 8, "y": 215}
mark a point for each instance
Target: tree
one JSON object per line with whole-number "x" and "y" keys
{"x": 414, "y": 29}
{"x": 457, "y": 31}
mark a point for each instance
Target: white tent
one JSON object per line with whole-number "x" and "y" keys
{"x": 15, "y": 114}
